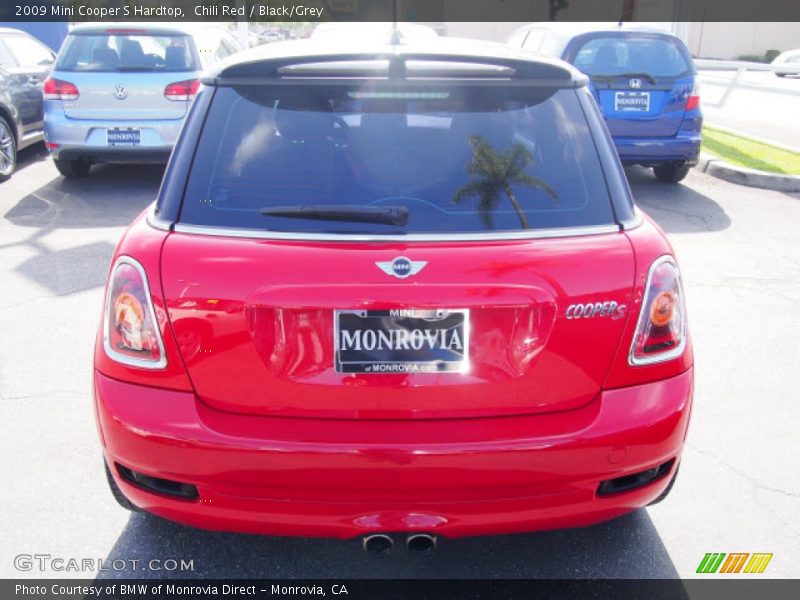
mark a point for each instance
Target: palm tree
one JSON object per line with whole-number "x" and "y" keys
{"x": 494, "y": 171}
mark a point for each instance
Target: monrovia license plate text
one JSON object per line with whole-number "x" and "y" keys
{"x": 401, "y": 341}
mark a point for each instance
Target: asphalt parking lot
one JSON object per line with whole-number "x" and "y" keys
{"x": 739, "y": 484}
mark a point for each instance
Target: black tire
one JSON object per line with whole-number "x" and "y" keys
{"x": 72, "y": 169}
{"x": 668, "y": 489}
{"x": 780, "y": 74}
{"x": 117, "y": 493}
{"x": 8, "y": 150}
{"x": 671, "y": 173}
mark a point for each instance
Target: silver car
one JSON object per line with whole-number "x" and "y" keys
{"x": 120, "y": 92}
{"x": 787, "y": 63}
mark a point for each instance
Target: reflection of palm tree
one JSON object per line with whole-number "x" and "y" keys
{"x": 494, "y": 171}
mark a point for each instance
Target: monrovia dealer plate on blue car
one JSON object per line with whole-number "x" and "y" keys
{"x": 124, "y": 137}
{"x": 401, "y": 341}
{"x": 632, "y": 101}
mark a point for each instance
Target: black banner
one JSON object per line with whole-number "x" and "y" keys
{"x": 409, "y": 589}
{"x": 400, "y": 10}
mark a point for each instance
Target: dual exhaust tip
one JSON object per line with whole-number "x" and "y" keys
{"x": 416, "y": 543}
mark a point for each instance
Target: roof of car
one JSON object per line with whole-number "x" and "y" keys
{"x": 10, "y": 31}
{"x": 267, "y": 61}
{"x": 568, "y": 29}
{"x": 166, "y": 28}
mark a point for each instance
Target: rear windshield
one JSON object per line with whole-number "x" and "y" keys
{"x": 127, "y": 52}
{"x": 617, "y": 55}
{"x": 468, "y": 160}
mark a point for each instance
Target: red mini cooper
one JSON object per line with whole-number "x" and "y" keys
{"x": 393, "y": 291}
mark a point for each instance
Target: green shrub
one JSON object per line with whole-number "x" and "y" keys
{"x": 770, "y": 55}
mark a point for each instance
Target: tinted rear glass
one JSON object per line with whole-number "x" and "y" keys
{"x": 127, "y": 52}
{"x": 615, "y": 55}
{"x": 464, "y": 160}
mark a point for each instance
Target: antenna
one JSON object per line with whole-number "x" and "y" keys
{"x": 396, "y": 37}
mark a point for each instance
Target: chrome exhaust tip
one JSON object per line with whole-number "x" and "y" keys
{"x": 421, "y": 543}
{"x": 377, "y": 544}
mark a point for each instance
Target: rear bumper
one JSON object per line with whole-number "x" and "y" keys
{"x": 683, "y": 148}
{"x": 317, "y": 477}
{"x": 69, "y": 139}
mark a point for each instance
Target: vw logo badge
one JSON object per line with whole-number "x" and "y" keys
{"x": 635, "y": 83}
{"x": 402, "y": 267}
{"x": 120, "y": 93}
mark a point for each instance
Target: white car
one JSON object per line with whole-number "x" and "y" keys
{"x": 787, "y": 63}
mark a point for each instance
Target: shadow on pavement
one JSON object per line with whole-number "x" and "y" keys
{"x": 111, "y": 196}
{"x": 31, "y": 155}
{"x": 629, "y": 547}
{"x": 676, "y": 208}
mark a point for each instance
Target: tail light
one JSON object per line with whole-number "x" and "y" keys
{"x": 182, "y": 90}
{"x": 661, "y": 329}
{"x": 130, "y": 328}
{"x": 56, "y": 89}
{"x": 693, "y": 101}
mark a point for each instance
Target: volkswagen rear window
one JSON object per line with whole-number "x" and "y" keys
{"x": 114, "y": 52}
{"x": 456, "y": 160}
{"x": 631, "y": 54}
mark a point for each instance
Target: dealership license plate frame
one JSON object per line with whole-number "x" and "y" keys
{"x": 134, "y": 133}
{"x": 632, "y": 108}
{"x": 421, "y": 365}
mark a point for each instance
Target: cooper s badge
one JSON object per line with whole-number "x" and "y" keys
{"x": 402, "y": 267}
{"x": 607, "y": 308}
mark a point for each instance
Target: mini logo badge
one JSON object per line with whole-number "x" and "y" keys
{"x": 635, "y": 83}
{"x": 120, "y": 93}
{"x": 402, "y": 267}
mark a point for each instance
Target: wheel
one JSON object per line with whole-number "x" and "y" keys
{"x": 72, "y": 169}
{"x": 671, "y": 173}
{"x": 780, "y": 74}
{"x": 117, "y": 493}
{"x": 668, "y": 489}
{"x": 8, "y": 150}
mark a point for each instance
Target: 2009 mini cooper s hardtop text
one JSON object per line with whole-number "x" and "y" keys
{"x": 393, "y": 290}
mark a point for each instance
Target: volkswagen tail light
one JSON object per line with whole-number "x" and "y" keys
{"x": 182, "y": 90}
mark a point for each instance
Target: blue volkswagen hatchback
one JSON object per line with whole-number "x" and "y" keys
{"x": 645, "y": 84}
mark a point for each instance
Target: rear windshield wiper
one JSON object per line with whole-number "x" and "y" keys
{"x": 385, "y": 215}
{"x": 609, "y": 77}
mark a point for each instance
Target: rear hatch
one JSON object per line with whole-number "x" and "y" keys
{"x": 122, "y": 74}
{"x": 255, "y": 322}
{"x": 641, "y": 81}
{"x": 385, "y": 254}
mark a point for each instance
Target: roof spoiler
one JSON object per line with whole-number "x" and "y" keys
{"x": 406, "y": 66}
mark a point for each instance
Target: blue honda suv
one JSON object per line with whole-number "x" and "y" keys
{"x": 644, "y": 83}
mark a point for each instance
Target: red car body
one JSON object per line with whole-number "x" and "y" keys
{"x": 250, "y": 413}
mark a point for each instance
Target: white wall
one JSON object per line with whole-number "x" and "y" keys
{"x": 730, "y": 40}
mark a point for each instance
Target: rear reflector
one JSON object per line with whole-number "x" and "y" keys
{"x": 632, "y": 482}
{"x": 56, "y": 89}
{"x": 50, "y": 145}
{"x": 157, "y": 485}
{"x": 182, "y": 90}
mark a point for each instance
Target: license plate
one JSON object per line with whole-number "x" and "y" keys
{"x": 401, "y": 341}
{"x": 632, "y": 101}
{"x": 123, "y": 137}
